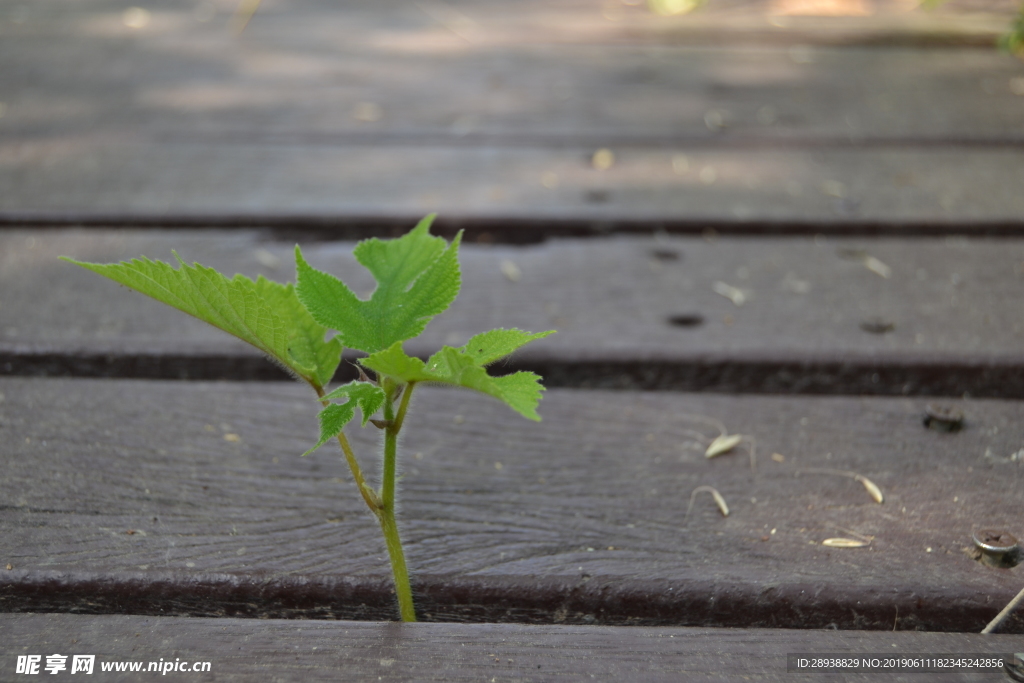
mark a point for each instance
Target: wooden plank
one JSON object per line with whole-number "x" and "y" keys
{"x": 246, "y": 650}
{"x": 127, "y": 497}
{"x": 286, "y": 89}
{"x": 630, "y": 311}
{"x": 82, "y": 181}
{"x": 297, "y": 121}
{"x": 461, "y": 22}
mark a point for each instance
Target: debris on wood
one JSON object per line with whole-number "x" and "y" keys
{"x": 733, "y": 294}
{"x": 510, "y": 270}
{"x": 1005, "y": 612}
{"x": 723, "y": 444}
{"x": 719, "y": 500}
{"x": 873, "y": 264}
{"x": 603, "y": 159}
{"x": 873, "y": 490}
{"x": 844, "y": 543}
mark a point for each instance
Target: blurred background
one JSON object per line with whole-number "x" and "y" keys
{"x": 517, "y": 119}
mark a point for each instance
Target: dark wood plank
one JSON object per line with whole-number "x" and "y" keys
{"x": 248, "y": 650}
{"x": 806, "y": 326}
{"x": 130, "y": 497}
{"x": 178, "y": 121}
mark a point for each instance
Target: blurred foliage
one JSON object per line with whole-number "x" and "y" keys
{"x": 667, "y": 8}
{"x": 1013, "y": 42}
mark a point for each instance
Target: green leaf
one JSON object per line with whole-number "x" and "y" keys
{"x": 266, "y": 314}
{"x": 487, "y": 347}
{"x": 306, "y": 341}
{"x": 464, "y": 367}
{"x": 333, "y": 419}
{"x": 417, "y": 278}
{"x": 369, "y": 397}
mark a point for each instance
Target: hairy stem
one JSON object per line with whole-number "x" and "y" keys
{"x": 367, "y": 493}
{"x": 400, "y": 418}
{"x": 386, "y": 513}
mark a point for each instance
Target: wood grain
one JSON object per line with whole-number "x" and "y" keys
{"x": 630, "y": 311}
{"x": 283, "y": 651}
{"x": 129, "y": 497}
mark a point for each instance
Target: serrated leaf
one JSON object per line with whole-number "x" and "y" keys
{"x": 369, "y": 397}
{"x": 417, "y": 278}
{"x": 487, "y": 347}
{"x": 521, "y": 391}
{"x": 266, "y": 314}
{"x": 306, "y": 343}
{"x": 333, "y": 419}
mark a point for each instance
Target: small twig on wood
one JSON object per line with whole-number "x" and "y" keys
{"x": 1001, "y": 617}
{"x": 714, "y": 494}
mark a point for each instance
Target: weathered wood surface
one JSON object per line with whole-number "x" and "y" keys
{"x": 318, "y": 113}
{"x": 283, "y": 651}
{"x": 630, "y": 312}
{"x": 191, "y": 498}
{"x": 399, "y": 24}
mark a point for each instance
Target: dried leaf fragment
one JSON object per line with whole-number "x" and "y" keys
{"x": 877, "y": 267}
{"x": 733, "y": 294}
{"x": 875, "y": 492}
{"x": 719, "y": 500}
{"x": 872, "y": 488}
{"x": 722, "y": 444}
{"x": 844, "y": 543}
{"x": 870, "y": 262}
{"x": 603, "y": 159}
{"x": 510, "y": 270}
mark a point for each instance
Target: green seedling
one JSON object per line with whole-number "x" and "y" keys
{"x": 417, "y": 278}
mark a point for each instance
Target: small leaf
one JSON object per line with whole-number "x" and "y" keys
{"x": 521, "y": 391}
{"x": 369, "y": 397}
{"x": 333, "y": 419}
{"x": 266, "y": 314}
{"x": 417, "y": 278}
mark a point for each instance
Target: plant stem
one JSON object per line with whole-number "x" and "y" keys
{"x": 367, "y": 493}
{"x": 386, "y": 513}
{"x": 400, "y": 418}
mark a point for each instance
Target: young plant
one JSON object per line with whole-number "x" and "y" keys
{"x": 417, "y": 278}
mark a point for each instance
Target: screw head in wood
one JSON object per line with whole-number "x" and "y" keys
{"x": 943, "y": 418}
{"x": 998, "y": 548}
